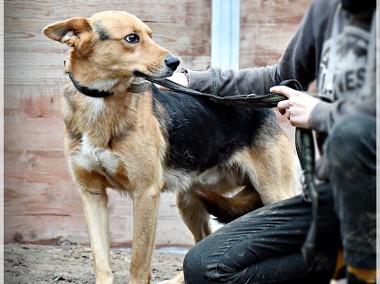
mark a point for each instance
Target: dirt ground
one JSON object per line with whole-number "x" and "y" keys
{"x": 71, "y": 263}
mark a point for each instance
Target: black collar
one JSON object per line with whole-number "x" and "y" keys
{"x": 134, "y": 88}
{"x": 87, "y": 91}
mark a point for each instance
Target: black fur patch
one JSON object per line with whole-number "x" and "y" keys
{"x": 102, "y": 32}
{"x": 203, "y": 134}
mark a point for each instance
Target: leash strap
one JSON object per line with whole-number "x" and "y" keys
{"x": 303, "y": 140}
{"x": 306, "y": 153}
{"x": 265, "y": 101}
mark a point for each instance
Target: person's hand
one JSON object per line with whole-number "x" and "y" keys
{"x": 179, "y": 78}
{"x": 298, "y": 107}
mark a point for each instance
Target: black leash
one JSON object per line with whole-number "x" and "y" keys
{"x": 270, "y": 100}
{"x": 303, "y": 140}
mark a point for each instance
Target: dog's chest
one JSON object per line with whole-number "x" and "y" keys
{"x": 99, "y": 160}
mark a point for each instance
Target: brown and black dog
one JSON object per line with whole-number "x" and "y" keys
{"x": 121, "y": 132}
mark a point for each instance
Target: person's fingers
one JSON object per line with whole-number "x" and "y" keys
{"x": 284, "y": 90}
{"x": 283, "y": 106}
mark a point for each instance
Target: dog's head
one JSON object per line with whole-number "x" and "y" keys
{"x": 111, "y": 48}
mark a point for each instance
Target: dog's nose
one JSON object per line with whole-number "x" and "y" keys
{"x": 172, "y": 62}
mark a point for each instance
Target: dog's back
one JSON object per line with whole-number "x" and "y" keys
{"x": 208, "y": 139}
{"x": 202, "y": 134}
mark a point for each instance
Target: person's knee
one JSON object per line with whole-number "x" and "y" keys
{"x": 189, "y": 264}
{"x": 350, "y": 135}
{"x": 193, "y": 268}
{"x": 201, "y": 265}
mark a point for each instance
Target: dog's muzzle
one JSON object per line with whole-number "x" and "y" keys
{"x": 171, "y": 64}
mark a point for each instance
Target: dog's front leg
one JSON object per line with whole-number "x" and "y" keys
{"x": 145, "y": 205}
{"x": 96, "y": 214}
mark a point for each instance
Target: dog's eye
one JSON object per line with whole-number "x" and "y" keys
{"x": 132, "y": 38}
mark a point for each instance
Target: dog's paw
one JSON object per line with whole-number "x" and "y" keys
{"x": 179, "y": 279}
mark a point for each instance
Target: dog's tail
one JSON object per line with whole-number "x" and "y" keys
{"x": 227, "y": 209}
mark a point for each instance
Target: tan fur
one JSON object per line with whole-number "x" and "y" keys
{"x": 117, "y": 141}
{"x": 227, "y": 209}
{"x": 271, "y": 173}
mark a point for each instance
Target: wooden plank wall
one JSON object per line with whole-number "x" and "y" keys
{"x": 41, "y": 202}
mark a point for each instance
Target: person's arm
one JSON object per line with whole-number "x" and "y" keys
{"x": 297, "y": 62}
{"x": 232, "y": 82}
{"x": 305, "y": 111}
{"x": 324, "y": 114}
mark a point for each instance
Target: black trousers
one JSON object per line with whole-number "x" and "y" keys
{"x": 264, "y": 246}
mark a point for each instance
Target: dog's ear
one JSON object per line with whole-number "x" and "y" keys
{"x": 72, "y": 32}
